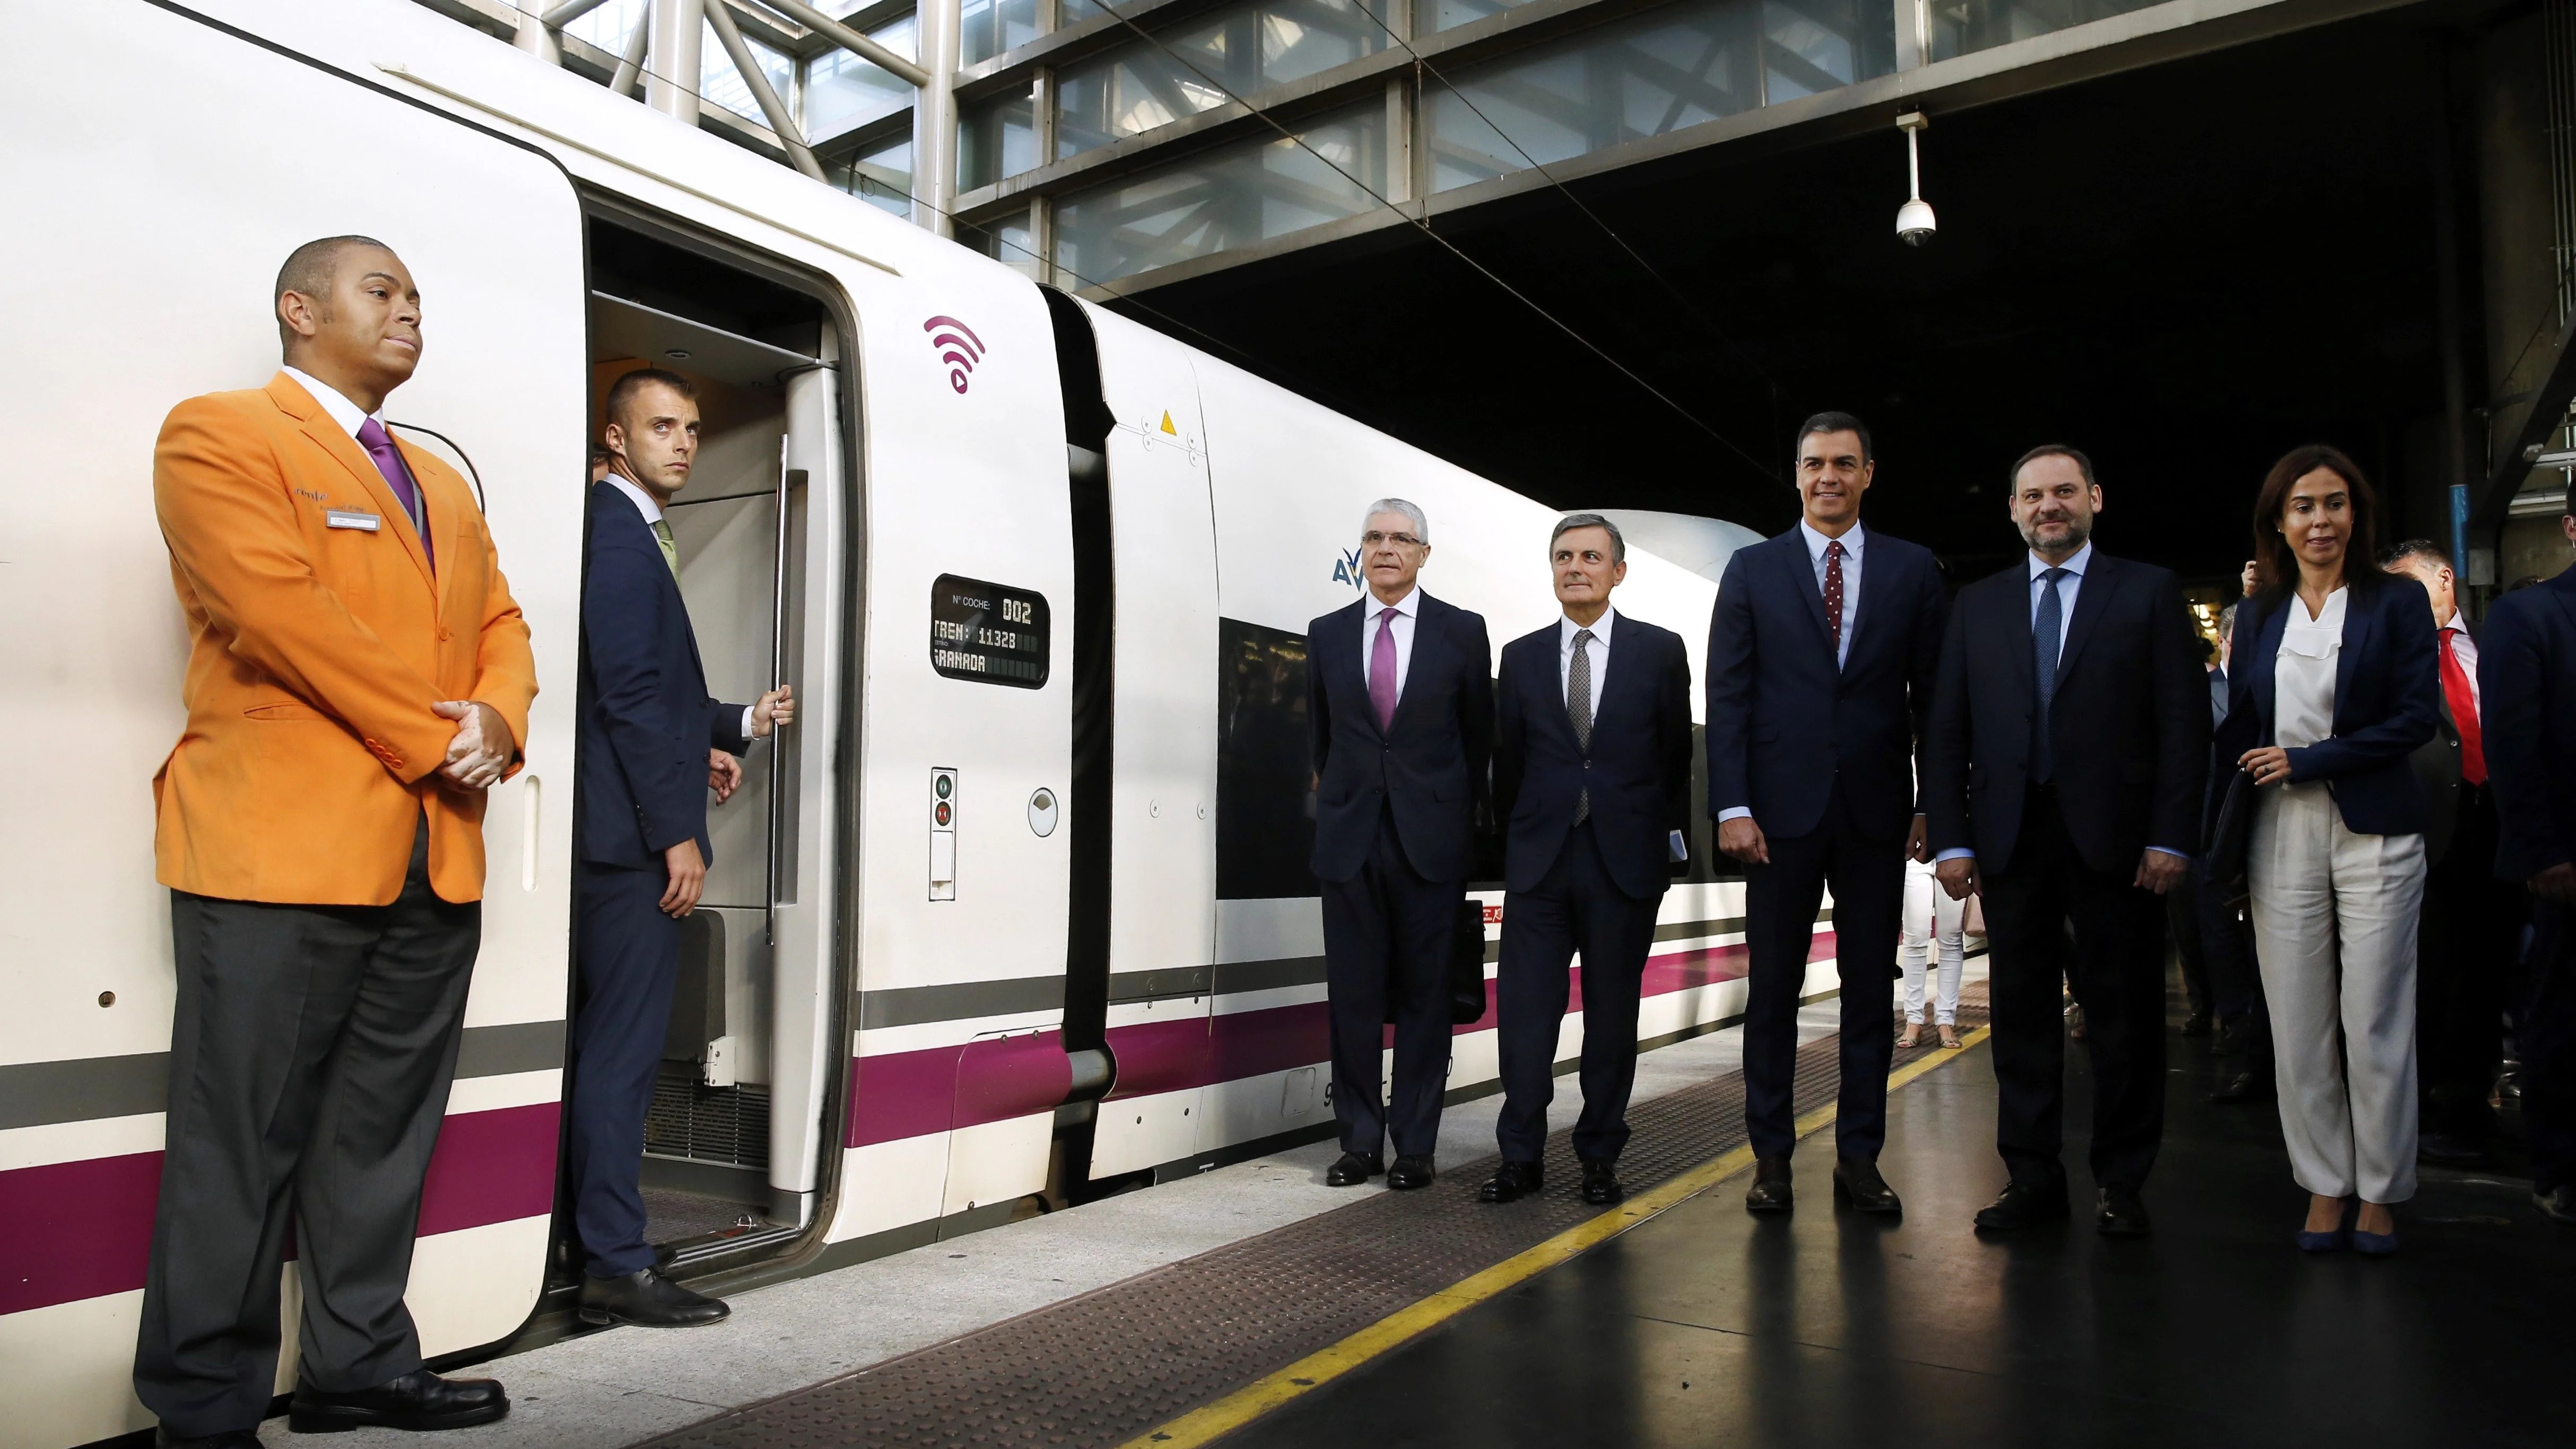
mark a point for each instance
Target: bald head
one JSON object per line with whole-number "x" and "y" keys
{"x": 309, "y": 270}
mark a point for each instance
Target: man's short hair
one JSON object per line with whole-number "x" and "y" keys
{"x": 1421, "y": 525}
{"x": 2227, "y": 621}
{"x": 1830, "y": 422}
{"x": 2398, "y": 555}
{"x": 308, "y": 271}
{"x": 2083, "y": 465}
{"x": 622, "y": 392}
{"x": 1573, "y": 521}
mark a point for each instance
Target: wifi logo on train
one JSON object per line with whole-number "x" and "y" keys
{"x": 958, "y": 346}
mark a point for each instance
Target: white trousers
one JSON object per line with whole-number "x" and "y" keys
{"x": 2334, "y": 932}
{"x": 1930, "y": 912}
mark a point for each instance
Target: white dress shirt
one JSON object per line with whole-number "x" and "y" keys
{"x": 651, "y": 508}
{"x": 347, "y": 414}
{"x": 1598, "y": 652}
{"x": 2465, "y": 649}
{"x": 2303, "y": 673}
{"x": 1855, "y": 543}
{"x": 2067, "y": 588}
{"x": 1406, "y": 610}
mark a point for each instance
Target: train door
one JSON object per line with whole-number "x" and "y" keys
{"x": 734, "y": 1138}
{"x": 1163, "y": 806}
{"x": 136, "y": 275}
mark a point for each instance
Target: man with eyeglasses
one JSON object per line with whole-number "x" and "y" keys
{"x": 1401, "y": 700}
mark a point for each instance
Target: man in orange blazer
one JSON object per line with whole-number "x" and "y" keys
{"x": 357, "y": 676}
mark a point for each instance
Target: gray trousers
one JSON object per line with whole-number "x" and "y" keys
{"x": 309, "y": 1067}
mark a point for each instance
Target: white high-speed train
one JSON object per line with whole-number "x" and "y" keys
{"x": 1017, "y": 912}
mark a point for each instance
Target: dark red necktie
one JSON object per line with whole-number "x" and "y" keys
{"x": 1834, "y": 592}
{"x": 2464, "y": 713}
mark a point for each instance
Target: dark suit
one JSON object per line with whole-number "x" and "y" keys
{"x": 2388, "y": 702}
{"x": 646, "y": 724}
{"x": 2128, "y": 760}
{"x": 2226, "y": 936}
{"x": 1823, "y": 757}
{"x": 1396, "y": 813}
{"x": 2470, "y": 933}
{"x": 2527, "y": 683}
{"x": 1592, "y": 886}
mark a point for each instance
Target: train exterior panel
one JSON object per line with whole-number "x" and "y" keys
{"x": 906, "y": 969}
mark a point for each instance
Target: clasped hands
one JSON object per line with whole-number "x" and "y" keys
{"x": 481, "y": 748}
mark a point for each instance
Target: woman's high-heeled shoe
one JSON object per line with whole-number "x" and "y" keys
{"x": 2338, "y": 1237}
{"x": 1950, "y": 1037}
{"x": 1913, "y": 1036}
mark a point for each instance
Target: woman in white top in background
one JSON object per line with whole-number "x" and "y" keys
{"x": 2336, "y": 684}
{"x": 1931, "y": 915}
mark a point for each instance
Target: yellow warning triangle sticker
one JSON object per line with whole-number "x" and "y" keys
{"x": 1167, "y": 426}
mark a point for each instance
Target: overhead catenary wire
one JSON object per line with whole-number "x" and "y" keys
{"x": 1424, "y": 226}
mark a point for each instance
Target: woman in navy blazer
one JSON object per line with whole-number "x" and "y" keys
{"x": 2335, "y": 686}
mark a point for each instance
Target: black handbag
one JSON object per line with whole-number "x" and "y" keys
{"x": 2224, "y": 842}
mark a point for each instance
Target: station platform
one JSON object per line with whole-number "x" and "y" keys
{"x": 1253, "y": 1305}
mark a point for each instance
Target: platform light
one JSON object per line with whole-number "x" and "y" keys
{"x": 1914, "y": 223}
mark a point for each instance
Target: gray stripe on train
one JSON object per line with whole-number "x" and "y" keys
{"x": 84, "y": 1089}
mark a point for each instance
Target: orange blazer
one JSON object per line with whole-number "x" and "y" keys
{"x": 315, "y": 653}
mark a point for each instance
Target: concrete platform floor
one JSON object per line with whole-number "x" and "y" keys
{"x": 610, "y": 1389}
{"x": 1705, "y": 1326}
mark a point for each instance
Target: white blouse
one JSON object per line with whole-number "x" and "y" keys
{"x": 2303, "y": 673}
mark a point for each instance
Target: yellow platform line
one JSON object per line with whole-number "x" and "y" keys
{"x": 1212, "y": 1421}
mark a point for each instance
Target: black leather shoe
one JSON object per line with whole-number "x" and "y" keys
{"x": 648, "y": 1300}
{"x": 2023, "y": 1207}
{"x": 2118, "y": 1214}
{"x": 1601, "y": 1184}
{"x": 1352, "y": 1169}
{"x": 2196, "y": 1024}
{"x": 2558, "y": 1204}
{"x": 418, "y": 1400}
{"x": 229, "y": 1439}
{"x": 2242, "y": 1088}
{"x": 1511, "y": 1182}
{"x": 1770, "y": 1191}
{"x": 1409, "y": 1173}
{"x": 1858, "y": 1183}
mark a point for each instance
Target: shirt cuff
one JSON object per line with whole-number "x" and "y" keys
{"x": 1954, "y": 853}
{"x": 1734, "y": 812}
{"x": 2176, "y": 854}
{"x": 746, "y": 721}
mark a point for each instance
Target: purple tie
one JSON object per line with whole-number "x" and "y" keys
{"x": 372, "y": 437}
{"x": 1382, "y": 672}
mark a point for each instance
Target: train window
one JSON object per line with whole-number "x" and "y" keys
{"x": 989, "y": 633}
{"x": 1265, "y": 793}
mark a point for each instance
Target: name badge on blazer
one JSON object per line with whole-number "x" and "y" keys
{"x": 350, "y": 518}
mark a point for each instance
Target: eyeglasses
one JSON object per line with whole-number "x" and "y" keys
{"x": 1373, "y": 538}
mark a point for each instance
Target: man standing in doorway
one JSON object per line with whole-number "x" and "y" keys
{"x": 2527, "y": 679}
{"x": 358, "y": 676}
{"x": 1401, "y": 700}
{"x": 1821, "y": 657}
{"x": 2472, "y": 922}
{"x": 1592, "y": 758}
{"x": 652, "y": 743}
{"x": 2069, "y": 750}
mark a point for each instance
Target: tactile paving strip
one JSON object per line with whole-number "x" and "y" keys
{"x": 1102, "y": 1368}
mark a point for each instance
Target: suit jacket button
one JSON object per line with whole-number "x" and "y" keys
{"x": 442, "y": 634}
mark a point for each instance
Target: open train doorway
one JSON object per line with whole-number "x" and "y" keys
{"x": 734, "y": 1141}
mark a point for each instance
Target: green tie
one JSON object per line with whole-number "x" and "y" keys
{"x": 670, "y": 550}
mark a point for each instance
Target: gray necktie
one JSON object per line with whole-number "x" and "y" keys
{"x": 1578, "y": 709}
{"x": 2044, "y": 629}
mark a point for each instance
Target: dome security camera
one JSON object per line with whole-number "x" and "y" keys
{"x": 1914, "y": 223}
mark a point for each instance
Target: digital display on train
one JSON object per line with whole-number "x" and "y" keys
{"x": 988, "y": 633}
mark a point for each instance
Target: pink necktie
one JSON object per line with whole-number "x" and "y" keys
{"x": 1382, "y": 672}
{"x": 379, "y": 446}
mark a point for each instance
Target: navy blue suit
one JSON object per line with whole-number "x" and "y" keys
{"x": 2527, "y": 690}
{"x": 1592, "y": 886}
{"x": 2128, "y": 722}
{"x": 1396, "y": 819}
{"x": 2388, "y": 702}
{"x": 646, "y": 724}
{"x": 1824, "y": 757}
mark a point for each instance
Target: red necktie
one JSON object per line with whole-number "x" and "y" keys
{"x": 2464, "y": 713}
{"x": 1834, "y": 592}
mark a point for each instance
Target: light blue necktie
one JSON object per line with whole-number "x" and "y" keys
{"x": 2044, "y": 629}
